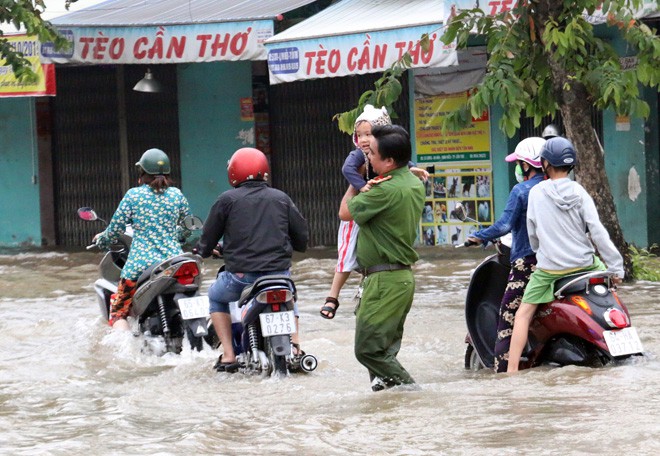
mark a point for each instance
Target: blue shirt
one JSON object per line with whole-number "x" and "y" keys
{"x": 514, "y": 220}
{"x": 351, "y": 167}
{"x": 155, "y": 219}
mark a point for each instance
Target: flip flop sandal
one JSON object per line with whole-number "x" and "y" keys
{"x": 230, "y": 368}
{"x": 331, "y": 311}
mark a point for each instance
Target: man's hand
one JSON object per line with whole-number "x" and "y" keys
{"x": 421, "y": 173}
{"x": 474, "y": 240}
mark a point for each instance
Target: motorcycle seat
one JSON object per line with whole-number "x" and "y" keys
{"x": 262, "y": 283}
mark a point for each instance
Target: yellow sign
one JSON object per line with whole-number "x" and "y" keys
{"x": 467, "y": 145}
{"x": 30, "y": 48}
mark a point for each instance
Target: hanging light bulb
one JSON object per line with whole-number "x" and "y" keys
{"x": 148, "y": 84}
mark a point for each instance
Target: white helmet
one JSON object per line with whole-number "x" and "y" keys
{"x": 528, "y": 150}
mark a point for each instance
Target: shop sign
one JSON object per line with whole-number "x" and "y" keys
{"x": 162, "y": 44}
{"x": 12, "y": 87}
{"x": 362, "y": 53}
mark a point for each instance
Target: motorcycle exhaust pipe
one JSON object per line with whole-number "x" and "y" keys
{"x": 308, "y": 363}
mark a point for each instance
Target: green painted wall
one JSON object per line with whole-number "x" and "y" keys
{"x": 19, "y": 212}
{"x": 210, "y": 126}
{"x": 625, "y": 158}
{"x": 500, "y": 147}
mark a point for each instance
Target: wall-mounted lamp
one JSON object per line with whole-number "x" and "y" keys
{"x": 148, "y": 84}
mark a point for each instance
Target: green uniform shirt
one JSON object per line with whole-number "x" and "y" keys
{"x": 388, "y": 216}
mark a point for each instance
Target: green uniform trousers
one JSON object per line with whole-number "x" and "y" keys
{"x": 386, "y": 300}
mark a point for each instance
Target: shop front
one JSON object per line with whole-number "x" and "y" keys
{"x": 79, "y": 147}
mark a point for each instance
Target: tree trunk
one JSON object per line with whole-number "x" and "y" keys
{"x": 575, "y": 104}
{"x": 575, "y": 108}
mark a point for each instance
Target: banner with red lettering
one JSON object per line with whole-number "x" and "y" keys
{"x": 162, "y": 44}
{"x": 360, "y": 53}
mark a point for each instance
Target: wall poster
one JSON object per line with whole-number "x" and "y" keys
{"x": 460, "y": 171}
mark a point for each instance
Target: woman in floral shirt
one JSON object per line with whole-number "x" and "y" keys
{"x": 155, "y": 211}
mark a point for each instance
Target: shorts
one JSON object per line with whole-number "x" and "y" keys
{"x": 346, "y": 246}
{"x": 541, "y": 286}
{"x": 229, "y": 286}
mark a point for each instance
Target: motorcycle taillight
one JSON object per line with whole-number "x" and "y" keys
{"x": 274, "y": 296}
{"x": 186, "y": 273}
{"x": 615, "y": 318}
{"x": 597, "y": 280}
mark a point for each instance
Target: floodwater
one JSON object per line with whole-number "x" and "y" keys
{"x": 69, "y": 385}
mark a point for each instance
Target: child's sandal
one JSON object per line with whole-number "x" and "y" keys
{"x": 331, "y": 311}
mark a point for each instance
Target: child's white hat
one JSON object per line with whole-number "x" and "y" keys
{"x": 372, "y": 115}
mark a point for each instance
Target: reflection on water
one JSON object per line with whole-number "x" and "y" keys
{"x": 68, "y": 384}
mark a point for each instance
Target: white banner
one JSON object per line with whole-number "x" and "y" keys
{"x": 162, "y": 44}
{"x": 360, "y": 53}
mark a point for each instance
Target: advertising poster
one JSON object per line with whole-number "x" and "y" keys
{"x": 12, "y": 87}
{"x": 448, "y": 186}
{"x": 460, "y": 171}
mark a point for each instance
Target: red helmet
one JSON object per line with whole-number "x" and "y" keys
{"x": 247, "y": 164}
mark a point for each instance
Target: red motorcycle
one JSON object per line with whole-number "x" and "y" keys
{"x": 585, "y": 325}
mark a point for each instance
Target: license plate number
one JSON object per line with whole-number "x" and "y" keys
{"x": 623, "y": 342}
{"x": 195, "y": 307}
{"x": 277, "y": 323}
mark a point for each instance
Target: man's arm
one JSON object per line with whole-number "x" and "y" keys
{"x": 344, "y": 213}
{"x": 298, "y": 229}
{"x": 213, "y": 230}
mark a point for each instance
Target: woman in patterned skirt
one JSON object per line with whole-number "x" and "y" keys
{"x": 155, "y": 210}
{"x": 523, "y": 259}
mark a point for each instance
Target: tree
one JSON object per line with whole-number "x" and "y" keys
{"x": 26, "y": 14}
{"x": 544, "y": 57}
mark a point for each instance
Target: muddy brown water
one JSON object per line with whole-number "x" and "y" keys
{"x": 69, "y": 385}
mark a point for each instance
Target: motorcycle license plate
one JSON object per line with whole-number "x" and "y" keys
{"x": 195, "y": 307}
{"x": 623, "y": 341}
{"x": 277, "y": 323}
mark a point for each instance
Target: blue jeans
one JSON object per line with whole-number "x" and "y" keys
{"x": 229, "y": 286}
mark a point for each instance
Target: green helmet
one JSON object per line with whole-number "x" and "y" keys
{"x": 154, "y": 161}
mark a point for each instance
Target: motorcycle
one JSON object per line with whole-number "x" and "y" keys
{"x": 263, "y": 322}
{"x": 166, "y": 303}
{"x": 585, "y": 325}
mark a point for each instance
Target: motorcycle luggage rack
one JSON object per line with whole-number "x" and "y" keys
{"x": 576, "y": 284}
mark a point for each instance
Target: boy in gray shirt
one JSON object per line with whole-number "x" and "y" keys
{"x": 559, "y": 214}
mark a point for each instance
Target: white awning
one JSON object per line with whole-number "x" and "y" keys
{"x": 168, "y": 31}
{"x": 360, "y": 36}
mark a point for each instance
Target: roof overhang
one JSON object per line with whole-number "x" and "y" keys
{"x": 360, "y": 36}
{"x": 168, "y": 31}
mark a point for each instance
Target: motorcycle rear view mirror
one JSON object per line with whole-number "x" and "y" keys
{"x": 88, "y": 214}
{"x": 460, "y": 213}
{"x": 193, "y": 223}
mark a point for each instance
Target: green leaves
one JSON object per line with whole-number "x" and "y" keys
{"x": 529, "y": 76}
{"x": 535, "y": 51}
{"x": 25, "y": 14}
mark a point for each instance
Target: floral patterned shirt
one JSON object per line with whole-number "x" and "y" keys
{"x": 155, "y": 219}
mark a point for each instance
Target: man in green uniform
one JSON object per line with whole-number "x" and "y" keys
{"x": 388, "y": 216}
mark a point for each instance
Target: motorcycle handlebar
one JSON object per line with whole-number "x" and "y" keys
{"x": 467, "y": 244}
